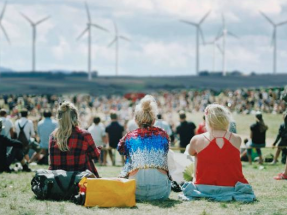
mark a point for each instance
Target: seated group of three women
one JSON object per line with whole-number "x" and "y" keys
{"x": 217, "y": 153}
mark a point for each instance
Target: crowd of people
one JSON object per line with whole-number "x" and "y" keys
{"x": 88, "y": 129}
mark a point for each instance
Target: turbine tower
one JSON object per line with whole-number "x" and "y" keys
{"x": 223, "y": 34}
{"x": 198, "y": 34}
{"x": 274, "y": 39}
{"x": 34, "y": 37}
{"x": 89, "y": 30}
{"x": 2, "y": 27}
{"x": 116, "y": 41}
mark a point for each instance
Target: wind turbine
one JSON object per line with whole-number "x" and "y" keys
{"x": 274, "y": 39}
{"x": 89, "y": 30}
{"x": 198, "y": 32}
{"x": 116, "y": 41}
{"x": 223, "y": 34}
{"x": 1, "y": 26}
{"x": 214, "y": 46}
{"x": 34, "y": 37}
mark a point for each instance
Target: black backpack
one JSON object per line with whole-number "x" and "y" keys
{"x": 22, "y": 137}
{"x": 57, "y": 184}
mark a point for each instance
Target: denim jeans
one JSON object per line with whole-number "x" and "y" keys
{"x": 256, "y": 146}
{"x": 151, "y": 184}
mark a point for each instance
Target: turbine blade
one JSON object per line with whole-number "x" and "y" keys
{"x": 267, "y": 18}
{"x": 282, "y": 23}
{"x": 219, "y": 48}
{"x": 3, "y": 11}
{"x": 42, "y": 20}
{"x": 113, "y": 41}
{"x": 100, "y": 27}
{"x": 5, "y": 33}
{"x": 233, "y": 35}
{"x": 188, "y": 22}
{"x": 201, "y": 35}
{"x": 88, "y": 12}
{"x": 219, "y": 35}
{"x": 82, "y": 34}
{"x": 205, "y": 16}
{"x": 27, "y": 18}
{"x": 209, "y": 43}
{"x": 116, "y": 27}
{"x": 124, "y": 38}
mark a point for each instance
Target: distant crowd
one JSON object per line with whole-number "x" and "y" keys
{"x": 245, "y": 101}
{"x": 144, "y": 144}
{"x": 109, "y": 118}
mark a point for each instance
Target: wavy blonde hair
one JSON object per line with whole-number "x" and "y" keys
{"x": 67, "y": 115}
{"x": 146, "y": 111}
{"x": 217, "y": 117}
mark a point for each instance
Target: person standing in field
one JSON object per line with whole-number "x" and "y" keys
{"x": 114, "y": 133}
{"x": 282, "y": 136}
{"x": 98, "y": 133}
{"x": 45, "y": 128}
{"x": 201, "y": 127}
{"x": 8, "y": 130}
{"x": 257, "y": 136}
{"x": 25, "y": 131}
{"x": 163, "y": 124}
{"x": 186, "y": 130}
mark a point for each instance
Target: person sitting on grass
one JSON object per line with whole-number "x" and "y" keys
{"x": 282, "y": 136}
{"x": 15, "y": 154}
{"x": 70, "y": 147}
{"x": 218, "y": 169}
{"x": 146, "y": 150}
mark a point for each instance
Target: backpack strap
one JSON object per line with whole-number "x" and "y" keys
{"x": 21, "y": 128}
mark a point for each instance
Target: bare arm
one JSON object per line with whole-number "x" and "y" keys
{"x": 192, "y": 146}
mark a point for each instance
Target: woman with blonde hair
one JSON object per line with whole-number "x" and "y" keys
{"x": 70, "y": 147}
{"x": 146, "y": 151}
{"x": 218, "y": 169}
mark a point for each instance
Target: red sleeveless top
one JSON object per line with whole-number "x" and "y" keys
{"x": 219, "y": 166}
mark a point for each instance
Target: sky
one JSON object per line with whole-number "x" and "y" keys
{"x": 160, "y": 44}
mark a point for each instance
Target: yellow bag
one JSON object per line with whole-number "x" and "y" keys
{"x": 109, "y": 192}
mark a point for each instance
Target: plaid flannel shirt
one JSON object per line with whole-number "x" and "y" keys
{"x": 82, "y": 150}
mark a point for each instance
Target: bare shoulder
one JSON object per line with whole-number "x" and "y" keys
{"x": 236, "y": 140}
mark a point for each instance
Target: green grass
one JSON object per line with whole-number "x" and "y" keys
{"x": 16, "y": 197}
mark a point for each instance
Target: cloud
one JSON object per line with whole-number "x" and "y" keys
{"x": 160, "y": 43}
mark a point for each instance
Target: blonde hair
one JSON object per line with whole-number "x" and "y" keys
{"x": 217, "y": 117}
{"x": 146, "y": 111}
{"x": 68, "y": 118}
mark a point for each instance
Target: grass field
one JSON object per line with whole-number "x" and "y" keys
{"x": 16, "y": 196}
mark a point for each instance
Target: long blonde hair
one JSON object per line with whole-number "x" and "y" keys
{"x": 217, "y": 117}
{"x": 146, "y": 111}
{"x": 68, "y": 118}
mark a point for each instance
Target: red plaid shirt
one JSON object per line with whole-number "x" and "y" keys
{"x": 82, "y": 150}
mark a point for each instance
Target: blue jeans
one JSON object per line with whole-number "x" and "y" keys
{"x": 151, "y": 184}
